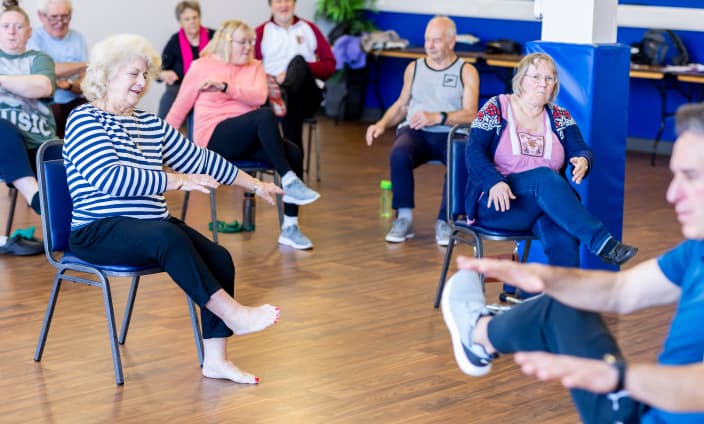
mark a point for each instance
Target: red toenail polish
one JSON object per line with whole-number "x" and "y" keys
{"x": 256, "y": 380}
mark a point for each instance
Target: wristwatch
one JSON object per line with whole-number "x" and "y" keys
{"x": 443, "y": 118}
{"x": 621, "y": 367}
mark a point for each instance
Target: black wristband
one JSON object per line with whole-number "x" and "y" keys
{"x": 224, "y": 87}
{"x": 443, "y": 118}
{"x": 621, "y": 367}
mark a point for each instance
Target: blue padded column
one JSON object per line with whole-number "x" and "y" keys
{"x": 594, "y": 89}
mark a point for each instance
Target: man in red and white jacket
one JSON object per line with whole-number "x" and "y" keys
{"x": 295, "y": 53}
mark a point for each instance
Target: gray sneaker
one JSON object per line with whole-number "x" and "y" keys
{"x": 401, "y": 229}
{"x": 292, "y": 236}
{"x": 442, "y": 232}
{"x": 463, "y": 303}
{"x": 298, "y": 193}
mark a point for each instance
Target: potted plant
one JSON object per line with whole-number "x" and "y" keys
{"x": 347, "y": 16}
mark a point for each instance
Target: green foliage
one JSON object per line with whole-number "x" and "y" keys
{"x": 351, "y": 12}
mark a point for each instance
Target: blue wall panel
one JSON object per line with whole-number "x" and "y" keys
{"x": 644, "y": 104}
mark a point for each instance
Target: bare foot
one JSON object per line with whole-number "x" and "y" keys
{"x": 228, "y": 371}
{"x": 250, "y": 319}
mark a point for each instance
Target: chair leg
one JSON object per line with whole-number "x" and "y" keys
{"x": 526, "y": 251}
{"x": 317, "y": 152}
{"x": 479, "y": 253}
{"x": 11, "y": 210}
{"x": 112, "y": 331}
{"x": 196, "y": 330}
{"x": 184, "y": 208}
{"x": 48, "y": 315}
{"x": 279, "y": 200}
{"x": 445, "y": 266}
{"x": 213, "y": 216}
{"x": 306, "y": 170}
{"x": 127, "y": 317}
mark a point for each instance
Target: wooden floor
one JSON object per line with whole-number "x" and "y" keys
{"x": 358, "y": 340}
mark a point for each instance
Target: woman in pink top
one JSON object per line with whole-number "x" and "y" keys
{"x": 519, "y": 147}
{"x": 226, "y": 88}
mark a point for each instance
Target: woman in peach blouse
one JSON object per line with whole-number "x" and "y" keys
{"x": 226, "y": 88}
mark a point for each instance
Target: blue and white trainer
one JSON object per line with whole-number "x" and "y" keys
{"x": 298, "y": 193}
{"x": 463, "y": 303}
{"x": 292, "y": 236}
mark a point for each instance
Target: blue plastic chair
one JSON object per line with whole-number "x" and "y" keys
{"x": 248, "y": 166}
{"x": 457, "y": 177}
{"x": 56, "y": 222}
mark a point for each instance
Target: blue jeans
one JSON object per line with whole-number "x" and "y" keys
{"x": 412, "y": 149}
{"x": 546, "y": 204}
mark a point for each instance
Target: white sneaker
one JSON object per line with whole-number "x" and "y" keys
{"x": 442, "y": 232}
{"x": 298, "y": 193}
{"x": 292, "y": 236}
{"x": 401, "y": 229}
{"x": 463, "y": 304}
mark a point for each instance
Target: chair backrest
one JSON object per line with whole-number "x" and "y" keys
{"x": 457, "y": 174}
{"x": 55, "y": 198}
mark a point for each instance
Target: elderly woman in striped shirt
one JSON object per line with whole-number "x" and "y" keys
{"x": 115, "y": 156}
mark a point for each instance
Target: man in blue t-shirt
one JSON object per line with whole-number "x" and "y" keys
{"x": 561, "y": 335}
{"x": 70, "y": 53}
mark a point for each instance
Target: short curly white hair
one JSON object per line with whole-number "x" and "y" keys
{"x": 108, "y": 55}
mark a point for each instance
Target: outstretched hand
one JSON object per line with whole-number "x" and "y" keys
{"x": 198, "y": 182}
{"x": 573, "y": 372}
{"x": 528, "y": 277}
{"x": 267, "y": 191}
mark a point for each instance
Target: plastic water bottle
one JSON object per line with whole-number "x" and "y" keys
{"x": 385, "y": 200}
{"x": 249, "y": 206}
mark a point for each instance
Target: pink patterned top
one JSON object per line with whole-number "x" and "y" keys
{"x": 520, "y": 149}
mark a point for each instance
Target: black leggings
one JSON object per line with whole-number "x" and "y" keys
{"x": 302, "y": 96}
{"x": 199, "y": 266}
{"x": 255, "y": 136}
{"x": 547, "y": 325}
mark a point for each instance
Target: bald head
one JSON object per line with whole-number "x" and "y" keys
{"x": 444, "y": 24}
{"x": 440, "y": 40}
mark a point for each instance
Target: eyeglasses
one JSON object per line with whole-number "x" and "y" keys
{"x": 54, "y": 19}
{"x": 537, "y": 78}
{"x": 246, "y": 42}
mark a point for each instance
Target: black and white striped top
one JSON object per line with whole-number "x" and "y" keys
{"x": 115, "y": 164}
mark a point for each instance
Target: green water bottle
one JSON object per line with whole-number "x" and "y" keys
{"x": 385, "y": 200}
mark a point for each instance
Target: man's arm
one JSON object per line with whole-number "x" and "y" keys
{"x": 470, "y": 98}
{"x": 640, "y": 287}
{"x": 29, "y": 86}
{"x": 324, "y": 66}
{"x": 67, "y": 69}
{"x": 672, "y": 388}
{"x": 397, "y": 111}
